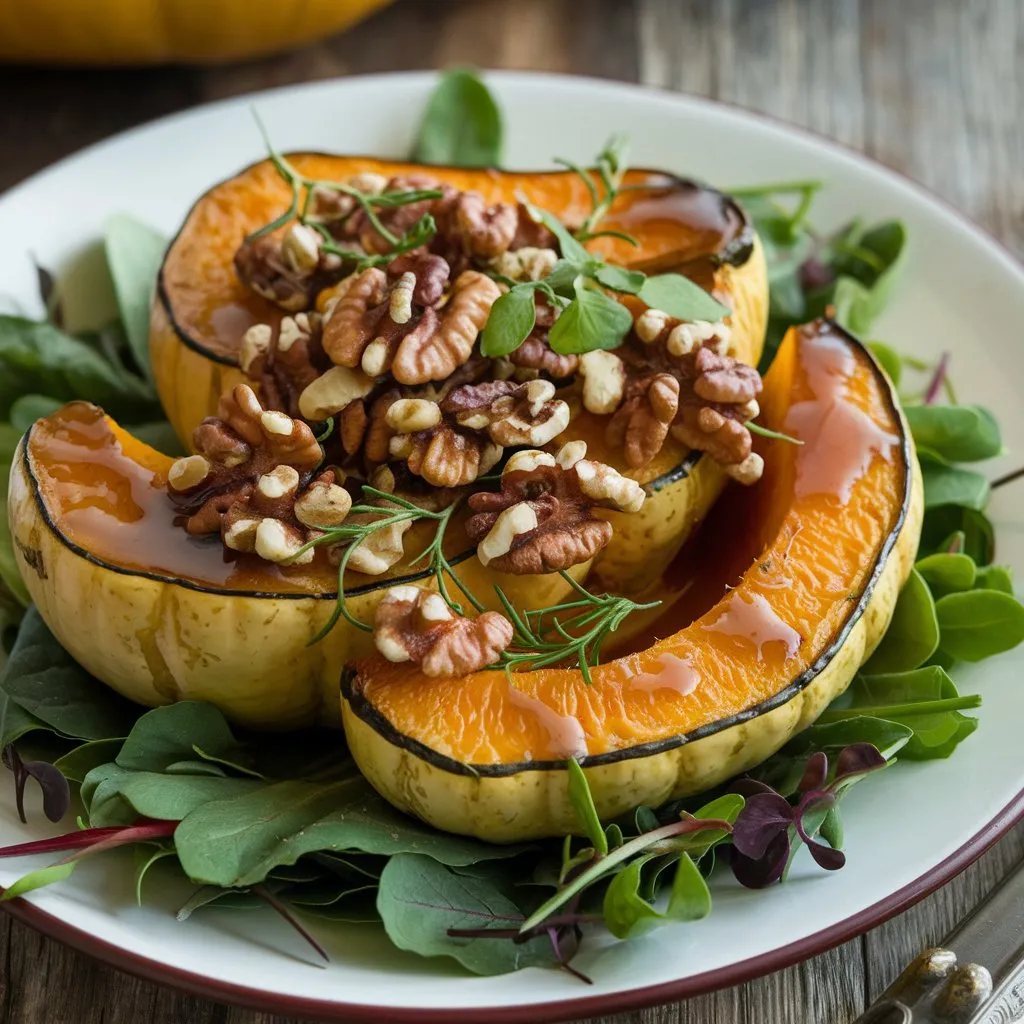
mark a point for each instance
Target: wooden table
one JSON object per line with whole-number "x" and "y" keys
{"x": 933, "y": 88}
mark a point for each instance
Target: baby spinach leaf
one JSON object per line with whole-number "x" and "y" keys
{"x": 38, "y": 358}
{"x": 886, "y": 735}
{"x": 943, "y": 521}
{"x": 680, "y": 297}
{"x": 511, "y": 319}
{"x": 627, "y": 914}
{"x": 855, "y": 308}
{"x": 169, "y": 734}
{"x": 582, "y": 801}
{"x": 945, "y": 574}
{"x": 951, "y": 485}
{"x": 592, "y": 321}
{"x": 913, "y": 633}
{"x": 145, "y": 858}
{"x": 76, "y": 764}
{"x": 979, "y": 623}
{"x": 134, "y": 254}
{"x": 420, "y": 900}
{"x": 29, "y": 408}
{"x": 237, "y": 842}
{"x": 44, "y": 680}
{"x": 462, "y": 124}
{"x": 872, "y": 260}
{"x": 957, "y": 433}
{"x": 995, "y": 577}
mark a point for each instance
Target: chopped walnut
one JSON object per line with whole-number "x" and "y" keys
{"x": 541, "y": 521}
{"x": 715, "y": 403}
{"x": 641, "y": 424}
{"x": 351, "y": 322}
{"x": 604, "y": 381}
{"x": 526, "y": 264}
{"x": 486, "y": 232}
{"x": 423, "y": 357}
{"x": 254, "y": 480}
{"x": 415, "y": 624}
{"x": 536, "y": 354}
{"x": 286, "y": 362}
{"x": 288, "y": 270}
{"x": 453, "y": 442}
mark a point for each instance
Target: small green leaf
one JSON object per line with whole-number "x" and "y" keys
{"x": 38, "y": 880}
{"x": 462, "y": 124}
{"x": 853, "y": 304}
{"x": 134, "y": 253}
{"x": 947, "y": 573}
{"x": 957, "y": 433}
{"x": 913, "y": 633}
{"x": 29, "y": 408}
{"x": 582, "y": 801}
{"x": 76, "y": 764}
{"x": 510, "y": 321}
{"x": 995, "y": 577}
{"x": 420, "y": 901}
{"x": 886, "y": 735}
{"x": 617, "y": 278}
{"x": 168, "y": 734}
{"x": 690, "y": 899}
{"x": 592, "y": 321}
{"x": 626, "y": 913}
{"x": 678, "y": 296}
{"x": 832, "y": 828}
{"x": 979, "y": 624}
{"x": 951, "y": 485}
{"x": 942, "y": 522}
{"x": 571, "y": 250}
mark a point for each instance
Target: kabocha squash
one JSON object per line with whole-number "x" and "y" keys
{"x": 129, "y": 32}
{"x": 161, "y": 616}
{"x": 796, "y": 585}
{"x": 202, "y": 310}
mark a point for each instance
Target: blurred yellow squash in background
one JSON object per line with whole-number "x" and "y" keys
{"x": 166, "y": 31}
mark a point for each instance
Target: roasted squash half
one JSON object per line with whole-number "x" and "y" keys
{"x": 795, "y": 585}
{"x": 161, "y": 616}
{"x": 201, "y": 309}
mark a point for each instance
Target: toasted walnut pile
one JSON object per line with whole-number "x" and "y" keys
{"x": 541, "y": 519}
{"x": 415, "y": 624}
{"x": 255, "y": 479}
{"x": 676, "y": 377}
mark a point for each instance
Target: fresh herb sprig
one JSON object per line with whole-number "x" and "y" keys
{"x": 303, "y": 190}
{"x": 571, "y": 633}
{"x": 610, "y": 168}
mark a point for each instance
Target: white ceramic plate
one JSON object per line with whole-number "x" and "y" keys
{"x": 909, "y": 831}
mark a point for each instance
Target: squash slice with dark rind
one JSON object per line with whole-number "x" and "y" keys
{"x": 796, "y": 583}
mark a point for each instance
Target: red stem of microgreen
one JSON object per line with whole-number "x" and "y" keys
{"x": 938, "y": 379}
{"x": 93, "y": 840}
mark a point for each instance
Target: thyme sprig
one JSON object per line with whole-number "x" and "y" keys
{"x": 572, "y": 632}
{"x": 394, "y": 512}
{"x": 303, "y": 189}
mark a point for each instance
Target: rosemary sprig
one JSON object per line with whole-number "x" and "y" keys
{"x": 610, "y": 169}
{"x": 303, "y": 188}
{"x": 572, "y": 632}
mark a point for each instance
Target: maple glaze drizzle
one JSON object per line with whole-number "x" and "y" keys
{"x": 755, "y": 620}
{"x": 675, "y": 673}
{"x": 119, "y": 511}
{"x": 566, "y": 737}
{"x": 845, "y": 438}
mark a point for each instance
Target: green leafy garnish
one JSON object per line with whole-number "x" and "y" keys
{"x": 462, "y": 124}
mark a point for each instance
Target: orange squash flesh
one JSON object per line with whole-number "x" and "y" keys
{"x": 802, "y": 559}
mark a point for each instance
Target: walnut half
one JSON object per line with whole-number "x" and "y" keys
{"x": 540, "y": 521}
{"x": 415, "y": 624}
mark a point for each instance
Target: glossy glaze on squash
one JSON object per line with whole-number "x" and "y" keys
{"x": 814, "y": 555}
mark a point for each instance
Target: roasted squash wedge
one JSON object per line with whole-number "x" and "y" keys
{"x": 795, "y": 585}
{"x": 161, "y": 616}
{"x": 201, "y": 310}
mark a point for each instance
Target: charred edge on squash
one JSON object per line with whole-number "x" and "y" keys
{"x": 33, "y": 556}
{"x": 736, "y": 251}
{"x": 366, "y": 711}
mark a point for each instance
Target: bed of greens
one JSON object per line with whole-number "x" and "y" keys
{"x": 293, "y": 824}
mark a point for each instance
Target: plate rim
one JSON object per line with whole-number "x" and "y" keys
{"x": 549, "y": 1012}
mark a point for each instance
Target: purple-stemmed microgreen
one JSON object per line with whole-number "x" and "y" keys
{"x": 770, "y": 828}
{"x": 56, "y": 792}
